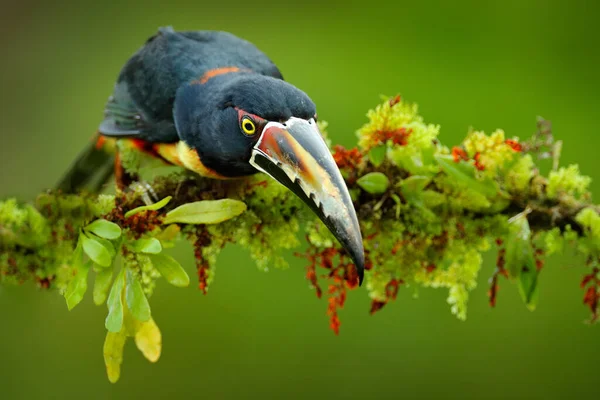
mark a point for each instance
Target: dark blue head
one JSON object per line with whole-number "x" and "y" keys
{"x": 241, "y": 123}
{"x": 210, "y": 116}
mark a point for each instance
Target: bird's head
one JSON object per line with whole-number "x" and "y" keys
{"x": 243, "y": 123}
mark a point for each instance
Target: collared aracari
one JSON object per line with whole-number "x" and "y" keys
{"x": 215, "y": 104}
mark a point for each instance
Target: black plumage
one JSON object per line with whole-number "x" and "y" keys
{"x": 146, "y": 88}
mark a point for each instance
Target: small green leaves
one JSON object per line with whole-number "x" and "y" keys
{"x": 520, "y": 260}
{"x": 136, "y": 299}
{"x": 414, "y": 185}
{"x": 528, "y": 286}
{"x": 78, "y": 284}
{"x": 96, "y": 251}
{"x": 113, "y": 354}
{"x": 151, "y": 207}
{"x": 105, "y": 229}
{"x": 518, "y": 247}
{"x": 146, "y": 245}
{"x": 374, "y": 182}
{"x": 102, "y": 285}
{"x": 114, "y": 319}
{"x": 377, "y": 155}
{"x": 465, "y": 172}
{"x": 206, "y": 212}
{"x": 148, "y": 340}
{"x": 170, "y": 269}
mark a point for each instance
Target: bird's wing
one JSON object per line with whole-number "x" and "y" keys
{"x": 142, "y": 101}
{"x": 123, "y": 118}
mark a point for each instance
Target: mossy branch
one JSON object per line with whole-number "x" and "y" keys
{"x": 427, "y": 214}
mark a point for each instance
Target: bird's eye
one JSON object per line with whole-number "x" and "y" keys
{"x": 248, "y": 126}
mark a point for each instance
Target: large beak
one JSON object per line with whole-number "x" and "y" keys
{"x": 295, "y": 154}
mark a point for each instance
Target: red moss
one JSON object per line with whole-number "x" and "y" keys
{"x": 395, "y": 100}
{"x": 591, "y": 298}
{"x": 516, "y": 146}
{"x": 336, "y": 300}
{"x": 493, "y": 290}
{"x": 202, "y": 239}
{"x": 397, "y": 136}
{"x": 142, "y": 222}
{"x": 44, "y": 283}
{"x": 397, "y": 246}
{"x": 347, "y": 158}
{"x": 459, "y": 154}
{"x": 376, "y": 305}
{"x": 500, "y": 271}
{"x": 342, "y": 276}
{"x": 478, "y": 164}
{"x": 391, "y": 292}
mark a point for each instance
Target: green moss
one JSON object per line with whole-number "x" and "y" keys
{"x": 426, "y": 224}
{"x": 567, "y": 181}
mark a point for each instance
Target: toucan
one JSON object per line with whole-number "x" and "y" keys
{"x": 218, "y": 106}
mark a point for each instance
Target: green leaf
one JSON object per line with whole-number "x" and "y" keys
{"x": 113, "y": 354}
{"x": 77, "y": 286}
{"x": 432, "y": 198}
{"x": 169, "y": 233}
{"x": 427, "y": 155}
{"x": 377, "y": 155}
{"x": 105, "y": 229}
{"x": 146, "y": 245}
{"x": 114, "y": 319}
{"x": 398, "y": 202}
{"x": 519, "y": 252}
{"x": 151, "y": 207}
{"x": 96, "y": 251}
{"x": 170, "y": 269}
{"x": 102, "y": 285}
{"x": 528, "y": 286}
{"x": 465, "y": 172}
{"x": 520, "y": 260}
{"x": 414, "y": 184}
{"x": 148, "y": 340}
{"x": 107, "y": 244}
{"x": 374, "y": 182}
{"x": 136, "y": 299}
{"x": 206, "y": 212}
{"x": 412, "y": 188}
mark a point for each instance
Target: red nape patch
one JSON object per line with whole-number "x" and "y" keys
{"x": 215, "y": 72}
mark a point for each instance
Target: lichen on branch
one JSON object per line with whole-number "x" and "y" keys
{"x": 427, "y": 213}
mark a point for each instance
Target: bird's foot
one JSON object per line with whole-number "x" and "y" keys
{"x": 145, "y": 190}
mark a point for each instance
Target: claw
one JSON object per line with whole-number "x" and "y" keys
{"x": 145, "y": 190}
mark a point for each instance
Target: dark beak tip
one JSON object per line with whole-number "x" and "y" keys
{"x": 359, "y": 264}
{"x": 361, "y": 275}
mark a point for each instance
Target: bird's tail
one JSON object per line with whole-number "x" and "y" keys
{"x": 91, "y": 169}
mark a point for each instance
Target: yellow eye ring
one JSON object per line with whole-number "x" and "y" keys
{"x": 248, "y": 126}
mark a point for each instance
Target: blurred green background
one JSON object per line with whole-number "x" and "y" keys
{"x": 486, "y": 64}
